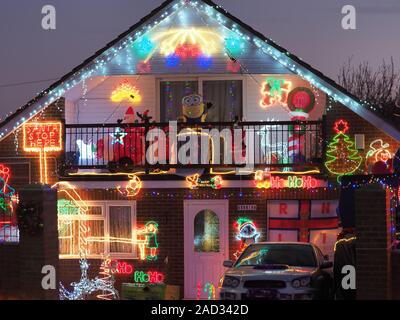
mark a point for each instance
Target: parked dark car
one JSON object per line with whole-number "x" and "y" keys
{"x": 278, "y": 271}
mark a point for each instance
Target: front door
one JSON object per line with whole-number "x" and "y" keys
{"x": 206, "y": 246}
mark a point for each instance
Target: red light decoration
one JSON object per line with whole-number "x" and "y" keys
{"x": 43, "y": 137}
{"x": 233, "y": 66}
{"x": 124, "y": 268}
{"x": 301, "y": 99}
{"x": 341, "y": 126}
{"x": 264, "y": 180}
{"x": 5, "y": 174}
{"x": 143, "y": 67}
{"x": 186, "y": 51}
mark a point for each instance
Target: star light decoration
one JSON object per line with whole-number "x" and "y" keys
{"x": 95, "y": 68}
{"x": 341, "y": 126}
{"x": 118, "y": 136}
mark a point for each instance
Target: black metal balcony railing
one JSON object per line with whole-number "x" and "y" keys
{"x": 265, "y": 144}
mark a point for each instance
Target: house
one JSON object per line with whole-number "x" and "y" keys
{"x": 127, "y": 140}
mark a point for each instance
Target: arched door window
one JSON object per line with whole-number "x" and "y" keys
{"x": 206, "y": 232}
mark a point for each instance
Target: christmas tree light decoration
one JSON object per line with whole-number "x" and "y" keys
{"x": 85, "y": 287}
{"x": 118, "y": 136}
{"x": 274, "y": 91}
{"x": 42, "y": 137}
{"x": 126, "y": 92}
{"x": 208, "y": 41}
{"x": 343, "y": 157}
{"x": 133, "y": 189}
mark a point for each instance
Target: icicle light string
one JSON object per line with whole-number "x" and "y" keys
{"x": 266, "y": 46}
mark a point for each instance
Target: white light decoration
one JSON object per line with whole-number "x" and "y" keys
{"x": 86, "y": 287}
{"x": 99, "y": 64}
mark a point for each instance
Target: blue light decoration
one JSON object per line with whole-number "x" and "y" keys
{"x": 266, "y": 46}
{"x": 172, "y": 61}
{"x": 143, "y": 47}
{"x": 234, "y": 46}
{"x": 204, "y": 62}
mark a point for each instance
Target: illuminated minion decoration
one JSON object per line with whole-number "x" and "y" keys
{"x": 194, "y": 109}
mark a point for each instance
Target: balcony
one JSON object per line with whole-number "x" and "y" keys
{"x": 123, "y": 147}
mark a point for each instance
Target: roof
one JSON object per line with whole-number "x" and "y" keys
{"x": 286, "y": 58}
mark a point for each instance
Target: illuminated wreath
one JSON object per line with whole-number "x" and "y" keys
{"x": 301, "y": 99}
{"x": 30, "y": 218}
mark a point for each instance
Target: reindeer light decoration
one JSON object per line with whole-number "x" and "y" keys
{"x": 87, "y": 286}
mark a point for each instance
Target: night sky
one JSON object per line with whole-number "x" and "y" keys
{"x": 310, "y": 29}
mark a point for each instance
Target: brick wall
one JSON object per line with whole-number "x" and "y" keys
{"x": 373, "y": 243}
{"x": 13, "y": 155}
{"x": 358, "y": 126}
{"x": 167, "y": 208}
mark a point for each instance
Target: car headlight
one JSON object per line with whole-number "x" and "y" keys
{"x": 230, "y": 282}
{"x": 301, "y": 282}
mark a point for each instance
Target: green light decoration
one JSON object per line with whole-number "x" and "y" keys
{"x": 4, "y": 205}
{"x": 235, "y": 46}
{"x": 67, "y": 207}
{"x": 275, "y": 86}
{"x": 343, "y": 158}
{"x": 150, "y": 232}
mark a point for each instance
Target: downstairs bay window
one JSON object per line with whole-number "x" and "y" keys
{"x": 99, "y": 228}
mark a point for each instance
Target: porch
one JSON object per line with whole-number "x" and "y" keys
{"x": 164, "y": 146}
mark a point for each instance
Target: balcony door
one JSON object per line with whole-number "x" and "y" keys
{"x": 225, "y": 95}
{"x": 206, "y": 246}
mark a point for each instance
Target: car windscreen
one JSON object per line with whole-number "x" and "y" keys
{"x": 278, "y": 254}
